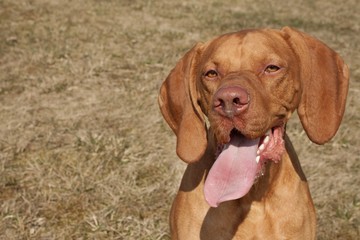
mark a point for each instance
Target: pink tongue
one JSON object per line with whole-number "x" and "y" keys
{"x": 234, "y": 171}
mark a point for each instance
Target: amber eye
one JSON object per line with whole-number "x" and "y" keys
{"x": 211, "y": 74}
{"x": 271, "y": 68}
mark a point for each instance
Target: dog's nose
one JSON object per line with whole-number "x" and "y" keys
{"x": 230, "y": 101}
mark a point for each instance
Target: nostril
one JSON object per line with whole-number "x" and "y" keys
{"x": 219, "y": 103}
{"x": 237, "y": 101}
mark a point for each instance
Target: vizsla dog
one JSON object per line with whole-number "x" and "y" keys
{"x": 228, "y": 101}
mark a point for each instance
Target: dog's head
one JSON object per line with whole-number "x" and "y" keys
{"x": 247, "y": 84}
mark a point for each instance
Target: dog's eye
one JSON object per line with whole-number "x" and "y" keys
{"x": 271, "y": 68}
{"x": 211, "y": 74}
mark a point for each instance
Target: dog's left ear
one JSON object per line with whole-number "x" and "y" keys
{"x": 324, "y": 82}
{"x": 179, "y": 107}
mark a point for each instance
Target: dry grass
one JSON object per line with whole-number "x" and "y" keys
{"x": 84, "y": 153}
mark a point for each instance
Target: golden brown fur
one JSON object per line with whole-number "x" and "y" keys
{"x": 312, "y": 78}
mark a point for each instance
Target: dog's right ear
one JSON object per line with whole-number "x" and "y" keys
{"x": 178, "y": 104}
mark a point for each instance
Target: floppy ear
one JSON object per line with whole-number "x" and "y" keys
{"x": 179, "y": 107}
{"x": 324, "y": 82}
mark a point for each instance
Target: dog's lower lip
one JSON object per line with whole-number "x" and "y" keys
{"x": 235, "y": 131}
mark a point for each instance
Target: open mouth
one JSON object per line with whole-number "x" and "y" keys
{"x": 239, "y": 163}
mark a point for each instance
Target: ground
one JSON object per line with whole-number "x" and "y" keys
{"x": 84, "y": 152}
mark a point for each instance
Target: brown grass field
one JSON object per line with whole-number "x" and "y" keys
{"x": 84, "y": 152}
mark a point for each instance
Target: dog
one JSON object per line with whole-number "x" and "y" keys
{"x": 228, "y": 101}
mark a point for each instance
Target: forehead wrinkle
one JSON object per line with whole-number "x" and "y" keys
{"x": 228, "y": 53}
{"x": 267, "y": 44}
